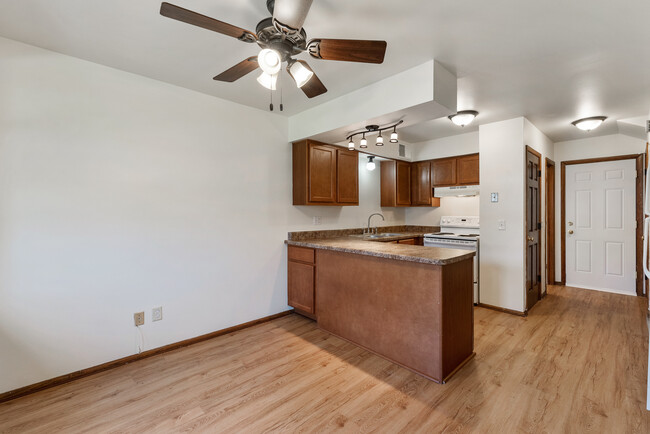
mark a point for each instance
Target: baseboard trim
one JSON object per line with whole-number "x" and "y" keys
{"x": 503, "y": 309}
{"x": 67, "y": 378}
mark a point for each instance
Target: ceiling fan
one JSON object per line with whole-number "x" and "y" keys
{"x": 281, "y": 38}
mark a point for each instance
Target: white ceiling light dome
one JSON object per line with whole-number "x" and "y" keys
{"x": 464, "y": 117}
{"x": 270, "y": 61}
{"x": 588, "y": 124}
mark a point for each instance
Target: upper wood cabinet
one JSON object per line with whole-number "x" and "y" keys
{"x": 395, "y": 183}
{"x": 443, "y": 172}
{"x": 421, "y": 183}
{"x": 467, "y": 167}
{"x": 324, "y": 174}
{"x": 347, "y": 176}
{"x": 463, "y": 170}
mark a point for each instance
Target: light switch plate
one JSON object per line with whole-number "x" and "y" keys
{"x": 502, "y": 225}
{"x": 494, "y": 197}
{"x": 156, "y": 313}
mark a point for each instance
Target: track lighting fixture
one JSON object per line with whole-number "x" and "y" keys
{"x": 370, "y": 165}
{"x": 351, "y": 145}
{"x": 376, "y": 129}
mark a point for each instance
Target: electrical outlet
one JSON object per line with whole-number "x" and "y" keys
{"x": 317, "y": 220}
{"x": 502, "y": 225}
{"x": 156, "y": 313}
{"x": 138, "y": 318}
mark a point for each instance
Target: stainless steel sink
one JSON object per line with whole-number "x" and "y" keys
{"x": 385, "y": 235}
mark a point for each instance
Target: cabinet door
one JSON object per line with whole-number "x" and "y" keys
{"x": 421, "y": 183}
{"x": 443, "y": 172}
{"x": 301, "y": 286}
{"x": 409, "y": 241}
{"x": 322, "y": 174}
{"x": 347, "y": 176}
{"x": 468, "y": 170}
{"x": 403, "y": 183}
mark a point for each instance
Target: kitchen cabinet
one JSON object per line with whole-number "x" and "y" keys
{"x": 395, "y": 183}
{"x": 467, "y": 167}
{"x": 443, "y": 172}
{"x": 462, "y": 170}
{"x": 324, "y": 174}
{"x": 301, "y": 280}
{"x": 421, "y": 187}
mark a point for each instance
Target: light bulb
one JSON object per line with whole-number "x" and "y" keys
{"x": 370, "y": 165}
{"x": 393, "y": 136}
{"x": 380, "y": 140}
{"x": 363, "y": 143}
{"x": 300, "y": 73}
{"x": 268, "y": 80}
{"x": 270, "y": 61}
{"x": 351, "y": 145}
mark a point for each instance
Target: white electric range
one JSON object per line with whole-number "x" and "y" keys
{"x": 458, "y": 232}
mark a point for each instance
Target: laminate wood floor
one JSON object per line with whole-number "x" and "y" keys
{"x": 576, "y": 364}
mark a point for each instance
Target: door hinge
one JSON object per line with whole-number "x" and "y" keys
{"x": 539, "y": 278}
{"x": 539, "y": 226}
{"x": 636, "y": 174}
{"x": 539, "y": 173}
{"x": 636, "y": 224}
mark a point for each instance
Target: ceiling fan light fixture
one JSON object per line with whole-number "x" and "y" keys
{"x": 363, "y": 143}
{"x": 270, "y": 61}
{"x": 393, "y": 135}
{"x": 463, "y": 118}
{"x": 300, "y": 73}
{"x": 588, "y": 124}
{"x": 267, "y": 80}
{"x": 370, "y": 165}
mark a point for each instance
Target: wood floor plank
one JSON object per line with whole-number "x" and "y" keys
{"x": 577, "y": 363}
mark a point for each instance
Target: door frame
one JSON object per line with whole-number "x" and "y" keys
{"x": 549, "y": 209}
{"x": 542, "y": 283}
{"x": 639, "y": 212}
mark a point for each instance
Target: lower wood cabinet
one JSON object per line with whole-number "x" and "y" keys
{"x": 302, "y": 280}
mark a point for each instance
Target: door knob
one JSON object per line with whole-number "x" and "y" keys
{"x": 570, "y": 232}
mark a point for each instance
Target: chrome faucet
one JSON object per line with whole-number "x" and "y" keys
{"x": 369, "y": 231}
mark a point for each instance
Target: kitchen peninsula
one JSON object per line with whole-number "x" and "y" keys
{"x": 410, "y": 304}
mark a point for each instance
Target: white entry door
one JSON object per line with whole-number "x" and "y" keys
{"x": 601, "y": 226}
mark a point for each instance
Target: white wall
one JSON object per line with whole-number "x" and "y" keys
{"x": 590, "y": 147}
{"x": 119, "y": 193}
{"x": 439, "y": 148}
{"x": 501, "y": 171}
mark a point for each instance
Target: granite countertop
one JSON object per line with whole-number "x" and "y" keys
{"x": 403, "y": 252}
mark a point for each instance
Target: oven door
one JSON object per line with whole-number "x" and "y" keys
{"x": 437, "y": 242}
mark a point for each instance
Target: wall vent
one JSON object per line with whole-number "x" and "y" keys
{"x": 402, "y": 148}
{"x": 647, "y": 126}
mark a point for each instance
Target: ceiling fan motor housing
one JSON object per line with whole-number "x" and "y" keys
{"x": 268, "y": 36}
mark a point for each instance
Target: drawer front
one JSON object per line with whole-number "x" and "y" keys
{"x": 301, "y": 254}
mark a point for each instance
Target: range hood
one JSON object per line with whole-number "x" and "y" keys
{"x": 459, "y": 190}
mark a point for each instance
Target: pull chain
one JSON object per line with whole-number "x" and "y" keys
{"x": 271, "y": 105}
{"x": 280, "y": 79}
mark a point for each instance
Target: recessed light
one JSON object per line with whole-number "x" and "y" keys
{"x": 588, "y": 124}
{"x": 464, "y": 117}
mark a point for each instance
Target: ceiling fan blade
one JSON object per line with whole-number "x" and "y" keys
{"x": 314, "y": 86}
{"x": 178, "y": 13}
{"x": 239, "y": 70}
{"x": 349, "y": 50}
{"x": 291, "y": 13}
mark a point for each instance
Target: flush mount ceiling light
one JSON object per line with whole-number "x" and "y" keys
{"x": 463, "y": 118}
{"x": 370, "y": 165}
{"x": 588, "y": 124}
{"x": 374, "y": 129}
